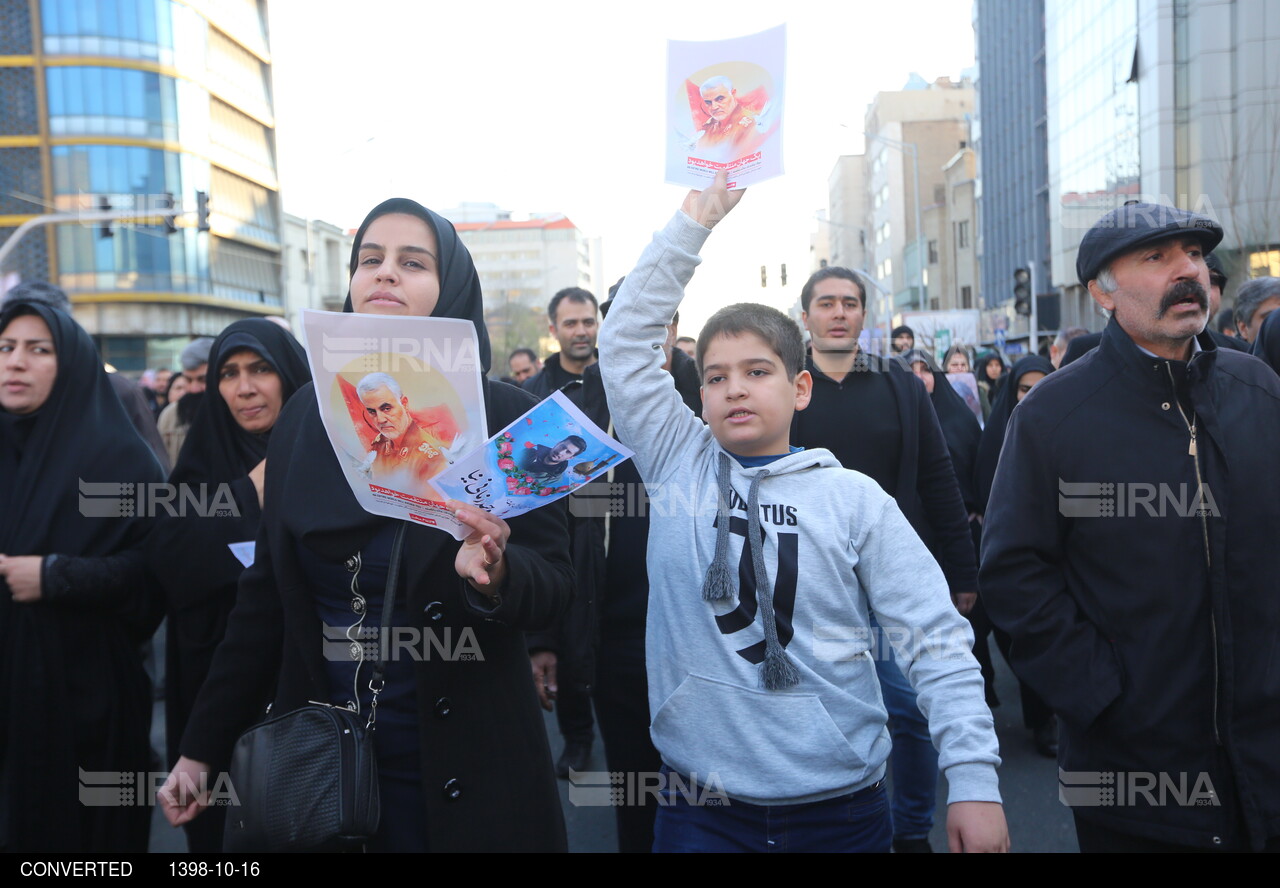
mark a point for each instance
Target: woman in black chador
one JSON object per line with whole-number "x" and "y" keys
{"x": 255, "y": 366}
{"x": 76, "y": 601}
{"x": 463, "y": 761}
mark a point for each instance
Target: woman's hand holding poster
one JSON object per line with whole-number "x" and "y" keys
{"x": 402, "y": 403}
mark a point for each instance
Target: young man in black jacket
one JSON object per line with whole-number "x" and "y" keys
{"x": 876, "y": 417}
{"x": 1129, "y": 550}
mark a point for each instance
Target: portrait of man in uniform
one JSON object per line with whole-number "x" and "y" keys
{"x": 731, "y": 126}
{"x": 407, "y": 454}
{"x": 548, "y": 463}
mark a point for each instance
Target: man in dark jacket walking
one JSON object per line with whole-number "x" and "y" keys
{"x": 876, "y": 417}
{"x": 564, "y": 659}
{"x": 1129, "y": 552}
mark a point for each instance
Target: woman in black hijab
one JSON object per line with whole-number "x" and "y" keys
{"x": 76, "y": 601}
{"x": 1036, "y": 715}
{"x": 462, "y": 751}
{"x": 255, "y": 366}
{"x": 990, "y": 369}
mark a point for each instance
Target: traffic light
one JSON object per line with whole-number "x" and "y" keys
{"x": 764, "y": 276}
{"x": 165, "y": 202}
{"x": 202, "y": 211}
{"x": 784, "y": 274}
{"x": 104, "y": 227}
{"x": 1022, "y": 291}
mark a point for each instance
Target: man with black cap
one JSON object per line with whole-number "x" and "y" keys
{"x": 1080, "y": 345}
{"x": 1129, "y": 552}
{"x": 175, "y": 419}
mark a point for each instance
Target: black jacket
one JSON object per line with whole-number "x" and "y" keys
{"x": 1082, "y": 345}
{"x": 927, "y": 493}
{"x": 573, "y": 638}
{"x": 481, "y": 731}
{"x": 551, "y": 378}
{"x": 1153, "y": 631}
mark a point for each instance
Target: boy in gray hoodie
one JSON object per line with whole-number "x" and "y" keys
{"x": 765, "y": 562}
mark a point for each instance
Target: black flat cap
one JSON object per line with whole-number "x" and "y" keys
{"x": 1134, "y": 224}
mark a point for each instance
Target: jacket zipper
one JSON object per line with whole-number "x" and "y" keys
{"x": 1193, "y": 451}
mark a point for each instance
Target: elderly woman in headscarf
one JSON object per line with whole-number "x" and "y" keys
{"x": 462, "y": 751}
{"x": 76, "y": 602}
{"x": 254, "y": 368}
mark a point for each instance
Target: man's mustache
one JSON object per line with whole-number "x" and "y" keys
{"x": 1179, "y": 293}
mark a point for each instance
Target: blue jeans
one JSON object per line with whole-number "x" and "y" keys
{"x": 914, "y": 760}
{"x": 851, "y": 823}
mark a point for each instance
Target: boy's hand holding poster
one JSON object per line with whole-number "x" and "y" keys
{"x": 402, "y": 403}
{"x": 725, "y": 109}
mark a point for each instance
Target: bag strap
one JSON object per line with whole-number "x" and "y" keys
{"x": 376, "y": 681}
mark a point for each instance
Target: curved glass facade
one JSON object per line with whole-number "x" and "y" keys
{"x": 129, "y": 104}
{"x": 112, "y": 101}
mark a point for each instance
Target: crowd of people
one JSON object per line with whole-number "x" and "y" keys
{"x": 794, "y": 594}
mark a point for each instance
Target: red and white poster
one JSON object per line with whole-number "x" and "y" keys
{"x": 724, "y": 108}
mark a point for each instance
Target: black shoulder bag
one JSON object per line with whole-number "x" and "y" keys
{"x": 308, "y": 780}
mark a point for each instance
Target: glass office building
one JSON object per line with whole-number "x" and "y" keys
{"x": 127, "y": 104}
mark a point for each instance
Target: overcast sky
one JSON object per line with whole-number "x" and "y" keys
{"x": 559, "y": 107}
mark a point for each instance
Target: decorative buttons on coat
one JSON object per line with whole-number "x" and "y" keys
{"x": 355, "y": 650}
{"x": 1165, "y": 406}
{"x": 434, "y": 610}
{"x": 451, "y": 791}
{"x": 443, "y": 707}
{"x": 353, "y": 563}
{"x": 357, "y": 605}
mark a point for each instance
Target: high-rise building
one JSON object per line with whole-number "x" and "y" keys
{"x": 1012, "y": 143}
{"x": 1172, "y": 101}
{"x": 911, "y": 136}
{"x": 846, "y": 221}
{"x": 128, "y": 105}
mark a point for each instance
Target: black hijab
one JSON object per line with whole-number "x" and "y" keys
{"x": 217, "y": 449}
{"x": 321, "y": 511}
{"x": 81, "y": 433}
{"x": 460, "y": 295}
{"x": 980, "y": 371}
{"x": 1267, "y": 345}
{"x": 993, "y": 435}
{"x": 959, "y": 426}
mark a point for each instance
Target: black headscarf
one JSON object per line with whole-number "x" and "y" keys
{"x": 321, "y": 511}
{"x": 217, "y": 449}
{"x": 1267, "y": 345}
{"x": 460, "y": 295}
{"x": 81, "y": 433}
{"x": 980, "y": 371}
{"x": 959, "y": 426}
{"x": 65, "y": 667}
{"x": 998, "y": 421}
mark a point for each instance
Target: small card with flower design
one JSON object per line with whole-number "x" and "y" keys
{"x": 550, "y": 452}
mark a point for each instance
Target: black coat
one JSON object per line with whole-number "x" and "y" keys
{"x": 1153, "y": 631}
{"x": 927, "y": 491}
{"x": 482, "y": 732}
{"x": 74, "y": 482}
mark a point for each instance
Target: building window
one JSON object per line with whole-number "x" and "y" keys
{"x": 1265, "y": 264}
{"x": 962, "y": 234}
{"x": 966, "y": 297}
{"x": 933, "y": 252}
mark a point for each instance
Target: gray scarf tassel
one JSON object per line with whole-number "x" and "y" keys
{"x": 717, "y": 585}
{"x": 777, "y": 672}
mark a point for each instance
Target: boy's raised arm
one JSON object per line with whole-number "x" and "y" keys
{"x": 647, "y": 410}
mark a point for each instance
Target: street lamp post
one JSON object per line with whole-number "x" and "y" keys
{"x": 915, "y": 173}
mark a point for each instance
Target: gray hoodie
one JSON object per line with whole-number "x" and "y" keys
{"x": 835, "y": 548}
